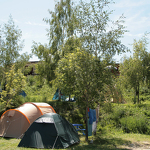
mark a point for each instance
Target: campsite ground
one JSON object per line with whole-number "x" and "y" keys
{"x": 111, "y": 141}
{"x": 119, "y": 141}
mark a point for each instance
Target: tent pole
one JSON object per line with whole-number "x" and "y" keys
{"x": 55, "y": 142}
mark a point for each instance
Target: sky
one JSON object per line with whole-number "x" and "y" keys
{"x": 28, "y": 16}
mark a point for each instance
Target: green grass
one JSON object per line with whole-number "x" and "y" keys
{"x": 110, "y": 140}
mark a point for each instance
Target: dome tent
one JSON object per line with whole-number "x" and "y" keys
{"x": 50, "y": 131}
{"x": 14, "y": 122}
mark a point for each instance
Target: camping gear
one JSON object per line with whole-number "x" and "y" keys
{"x": 23, "y": 93}
{"x": 14, "y": 122}
{"x": 50, "y": 131}
{"x": 56, "y": 95}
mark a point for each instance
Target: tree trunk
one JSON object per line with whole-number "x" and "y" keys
{"x": 134, "y": 100}
{"x": 138, "y": 93}
{"x": 86, "y": 134}
{"x": 59, "y": 94}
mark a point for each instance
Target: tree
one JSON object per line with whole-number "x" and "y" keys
{"x": 100, "y": 35}
{"x": 87, "y": 22}
{"x": 46, "y": 66}
{"x": 79, "y": 44}
{"x": 10, "y": 46}
{"x": 135, "y": 70}
{"x": 61, "y": 28}
{"x": 83, "y": 74}
{"x": 61, "y": 25}
{"x": 15, "y": 82}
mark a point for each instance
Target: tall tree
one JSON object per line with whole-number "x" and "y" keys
{"x": 89, "y": 22}
{"x": 10, "y": 46}
{"x": 16, "y": 82}
{"x": 61, "y": 28}
{"x": 47, "y": 64}
{"x": 61, "y": 24}
{"x": 83, "y": 74}
{"x": 135, "y": 70}
{"x": 100, "y": 35}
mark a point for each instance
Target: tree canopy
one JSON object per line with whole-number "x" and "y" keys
{"x": 82, "y": 42}
{"x": 10, "y": 46}
{"x": 86, "y": 22}
{"x": 135, "y": 69}
{"x": 83, "y": 75}
{"x": 15, "y": 83}
{"x": 12, "y": 64}
{"x": 100, "y": 35}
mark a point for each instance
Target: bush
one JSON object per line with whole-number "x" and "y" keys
{"x": 30, "y": 80}
{"x": 134, "y": 124}
{"x": 107, "y": 107}
{"x": 129, "y": 118}
{"x": 68, "y": 110}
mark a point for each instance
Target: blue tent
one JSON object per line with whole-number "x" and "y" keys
{"x": 56, "y": 95}
{"x": 23, "y": 94}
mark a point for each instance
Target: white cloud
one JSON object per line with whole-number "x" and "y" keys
{"x": 31, "y": 35}
{"x": 129, "y": 3}
{"x": 137, "y": 23}
{"x": 133, "y": 35}
{"x": 16, "y": 21}
{"x": 3, "y": 20}
{"x": 35, "y": 24}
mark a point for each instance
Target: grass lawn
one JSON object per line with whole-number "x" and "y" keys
{"x": 109, "y": 141}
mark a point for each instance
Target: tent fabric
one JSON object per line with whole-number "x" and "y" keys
{"x": 23, "y": 93}
{"x": 14, "y": 122}
{"x": 56, "y": 95}
{"x": 50, "y": 131}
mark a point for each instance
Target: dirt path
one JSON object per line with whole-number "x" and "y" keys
{"x": 137, "y": 146}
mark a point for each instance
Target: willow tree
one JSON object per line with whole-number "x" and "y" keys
{"x": 61, "y": 28}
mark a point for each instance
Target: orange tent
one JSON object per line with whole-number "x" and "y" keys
{"x": 14, "y": 122}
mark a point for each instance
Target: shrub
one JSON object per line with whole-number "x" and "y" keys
{"x": 129, "y": 118}
{"x": 30, "y": 80}
{"x": 134, "y": 124}
{"x": 107, "y": 107}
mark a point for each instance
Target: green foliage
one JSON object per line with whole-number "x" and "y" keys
{"x": 38, "y": 91}
{"x": 28, "y": 70}
{"x": 135, "y": 124}
{"x": 10, "y": 46}
{"x": 15, "y": 83}
{"x": 135, "y": 70}
{"x": 31, "y": 80}
{"x": 82, "y": 74}
{"x": 62, "y": 22}
{"x": 107, "y": 107}
{"x": 61, "y": 28}
{"x": 45, "y": 68}
{"x": 128, "y": 118}
{"x": 93, "y": 21}
{"x": 69, "y": 110}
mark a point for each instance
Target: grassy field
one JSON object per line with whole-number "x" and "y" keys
{"x": 111, "y": 140}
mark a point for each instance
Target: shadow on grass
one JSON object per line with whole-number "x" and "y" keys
{"x": 103, "y": 144}
{"x": 6, "y": 138}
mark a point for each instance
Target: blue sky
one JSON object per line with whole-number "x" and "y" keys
{"x": 28, "y": 16}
